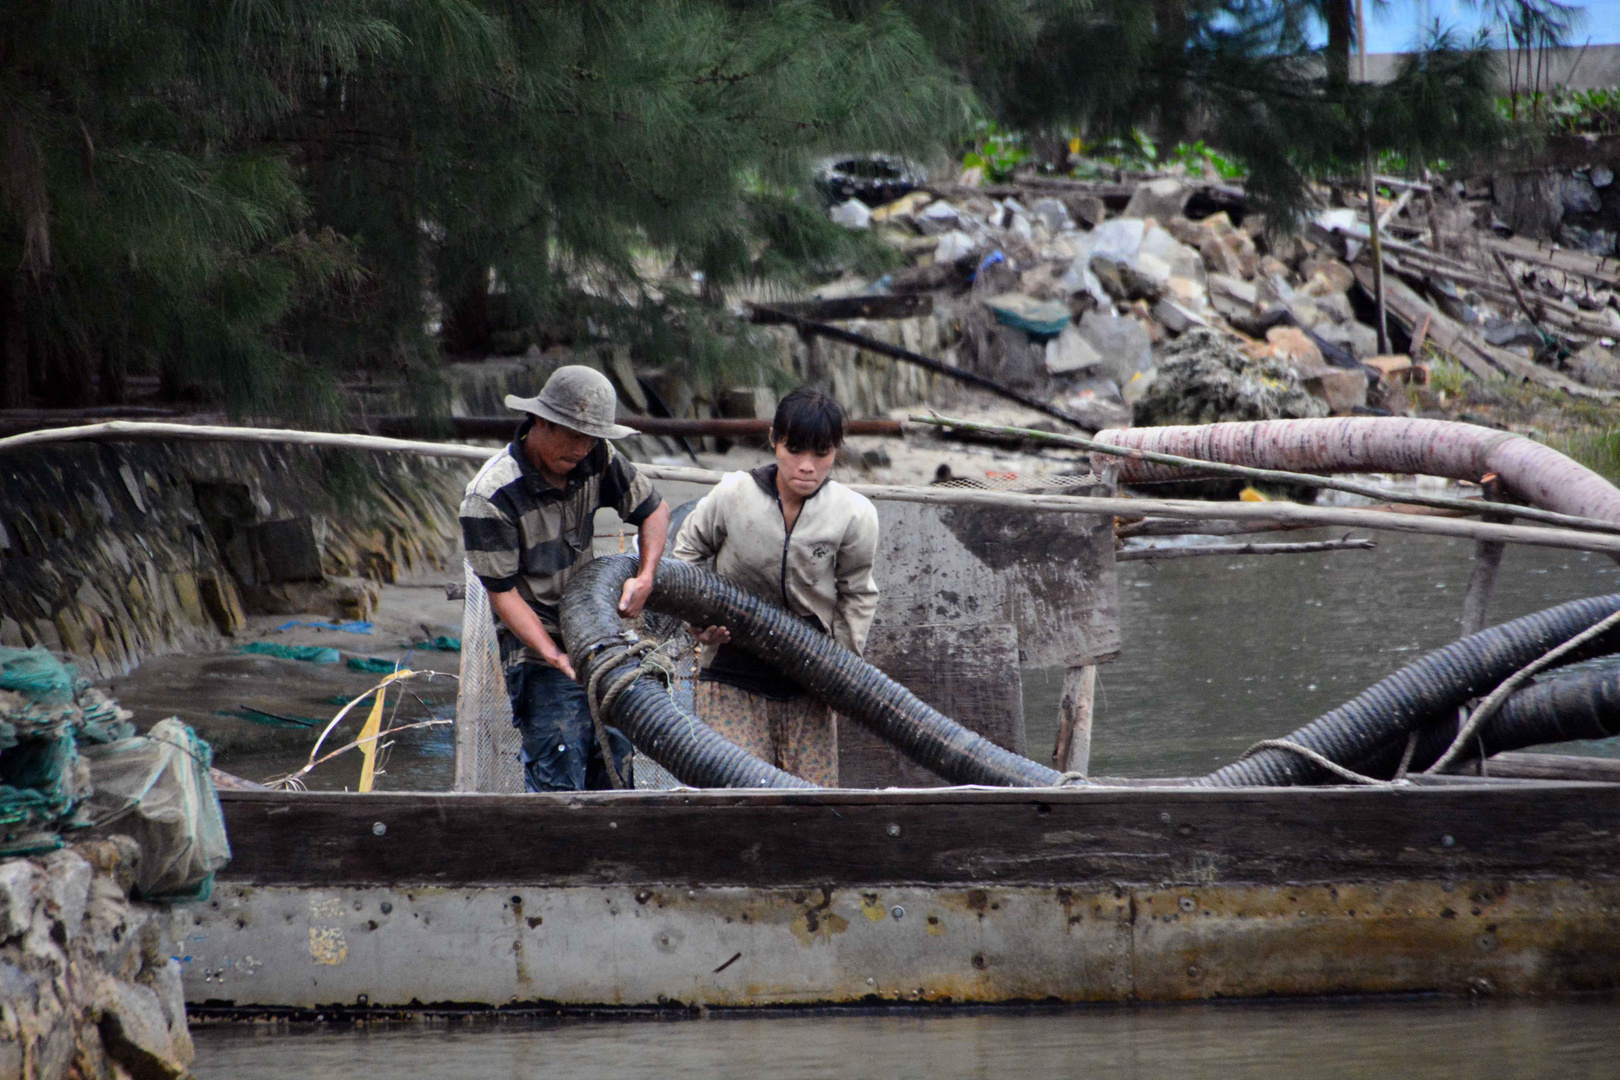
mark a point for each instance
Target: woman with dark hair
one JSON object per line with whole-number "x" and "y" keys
{"x": 789, "y": 535}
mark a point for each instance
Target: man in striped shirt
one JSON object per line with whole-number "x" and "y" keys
{"x": 528, "y": 524}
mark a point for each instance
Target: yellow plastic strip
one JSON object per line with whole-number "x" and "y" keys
{"x": 368, "y": 739}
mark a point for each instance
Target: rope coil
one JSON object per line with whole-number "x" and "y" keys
{"x": 607, "y": 656}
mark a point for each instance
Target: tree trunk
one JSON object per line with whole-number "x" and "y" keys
{"x": 1170, "y": 22}
{"x": 110, "y": 387}
{"x": 13, "y": 344}
{"x": 1339, "y": 18}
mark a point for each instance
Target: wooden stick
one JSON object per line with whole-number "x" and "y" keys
{"x": 1191, "y": 510}
{"x": 1246, "y": 472}
{"x": 871, "y": 344}
{"x": 1072, "y": 751}
{"x": 1193, "y": 551}
{"x": 1518, "y": 295}
{"x": 1173, "y": 527}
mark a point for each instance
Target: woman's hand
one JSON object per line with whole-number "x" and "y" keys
{"x": 714, "y": 635}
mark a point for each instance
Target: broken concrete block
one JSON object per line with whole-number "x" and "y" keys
{"x": 954, "y": 245}
{"x": 1579, "y": 196}
{"x": 1344, "y": 390}
{"x": 1141, "y": 276}
{"x": 1176, "y": 317}
{"x": 904, "y": 207}
{"x": 1391, "y": 367}
{"x": 1038, "y": 318}
{"x": 21, "y": 885}
{"x": 1183, "y": 260}
{"x": 285, "y": 550}
{"x": 136, "y": 1033}
{"x": 1530, "y": 203}
{"x": 1070, "y": 352}
{"x": 1087, "y": 210}
{"x": 1052, "y": 213}
{"x": 937, "y": 218}
{"x": 1124, "y": 343}
{"x": 1294, "y": 347}
{"x": 1596, "y": 366}
{"x": 1356, "y": 338}
{"x": 67, "y": 888}
{"x": 1163, "y": 199}
{"x": 1336, "y": 306}
{"x": 851, "y": 214}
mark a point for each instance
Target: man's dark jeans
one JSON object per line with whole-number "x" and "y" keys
{"x": 559, "y": 743}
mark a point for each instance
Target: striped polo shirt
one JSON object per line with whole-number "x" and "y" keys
{"x": 522, "y": 533}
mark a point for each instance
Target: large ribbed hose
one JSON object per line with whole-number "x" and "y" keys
{"x": 826, "y": 669}
{"x": 1537, "y": 474}
{"x": 1368, "y": 732}
{"x": 1579, "y": 705}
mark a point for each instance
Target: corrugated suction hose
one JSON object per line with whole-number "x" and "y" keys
{"x": 1369, "y": 732}
{"x": 1578, "y": 705}
{"x": 694, "y": 753}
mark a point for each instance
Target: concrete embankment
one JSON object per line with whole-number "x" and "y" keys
{"x": 116, "y": 552}
{"x": 89, "y": 984}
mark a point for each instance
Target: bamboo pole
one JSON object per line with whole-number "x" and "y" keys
{"x": 1071, "y": 753}
{"x": 1279, "y": 476}
{"x": 1193, "y": 551}
{"x": 1190, "y": 510}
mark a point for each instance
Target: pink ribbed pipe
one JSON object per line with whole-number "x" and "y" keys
{"x": 1536, "y": 474}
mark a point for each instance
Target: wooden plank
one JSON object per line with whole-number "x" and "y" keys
{"x": 885, "y": 306}
{"x": 1553, "y": 767}
{"x": 1051, "y": 837}
{"x": 1456, "y": 341}
{"x": 969, "y": 673}
{"x": 1049, "y": 575}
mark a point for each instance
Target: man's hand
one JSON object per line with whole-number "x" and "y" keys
{"x": 559, "y": 660}
{"x": 714, "y": 635}
{"x": 635, "y": 594}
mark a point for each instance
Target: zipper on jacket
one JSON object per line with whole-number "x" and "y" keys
{"x": 787, "y": 538}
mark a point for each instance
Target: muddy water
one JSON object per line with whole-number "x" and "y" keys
{"x": 1218, "y": 652}
{"x": 1221, "y": 652}
{"x": 1413, "y": 1040}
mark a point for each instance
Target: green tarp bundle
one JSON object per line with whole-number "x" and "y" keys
{"x": 46, "y": 712}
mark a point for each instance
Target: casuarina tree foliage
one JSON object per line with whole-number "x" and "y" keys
{"x": 254, "y": 201}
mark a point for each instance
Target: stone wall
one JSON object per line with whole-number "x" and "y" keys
{"x": 115, "y": 552}
{"x": 89, "y": 986}
{"x": 865, "y": 383}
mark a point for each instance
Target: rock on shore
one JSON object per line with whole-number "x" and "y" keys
{"x": 89, "y": 987}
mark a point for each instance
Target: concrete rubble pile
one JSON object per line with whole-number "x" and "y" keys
{"x": 88, "y": 983}
{"x": 1163, "y": 301}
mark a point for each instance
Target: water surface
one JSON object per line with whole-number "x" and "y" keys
{"x": 1409, "y": 1040}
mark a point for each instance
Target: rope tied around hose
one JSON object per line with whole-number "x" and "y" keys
{"x": 1487, "y": 708}
{"x": 609, "y": 655}
{"x": 1323, "y": 762}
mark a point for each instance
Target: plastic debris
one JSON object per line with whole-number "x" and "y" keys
{"x": 442, "y": 643}
{"x": 314, "y": 654}
{"x": 375, "y": 665}
{"x": 359, "y": 626}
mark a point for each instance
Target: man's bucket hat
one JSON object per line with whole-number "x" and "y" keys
{"x": 578, "y": 398}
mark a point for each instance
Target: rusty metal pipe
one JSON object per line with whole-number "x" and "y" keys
{"x": 1530, "y": 472}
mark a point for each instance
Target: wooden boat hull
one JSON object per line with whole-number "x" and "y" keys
{"x": 735, "y": 899}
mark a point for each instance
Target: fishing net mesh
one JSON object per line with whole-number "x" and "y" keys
{"x": 488, "y": 748}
